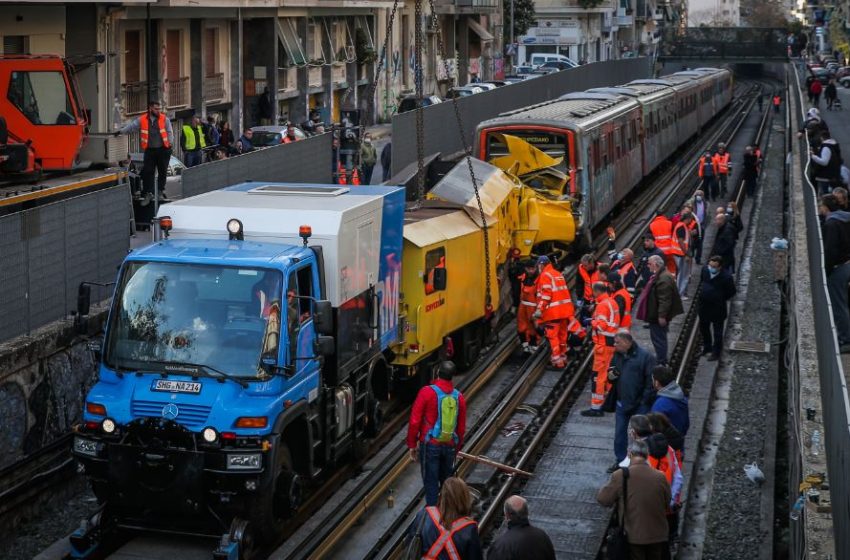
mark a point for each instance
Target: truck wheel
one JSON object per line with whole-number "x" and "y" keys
{"x": 279, "y": 499}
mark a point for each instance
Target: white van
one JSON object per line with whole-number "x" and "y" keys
{"x": 538, "y": 59}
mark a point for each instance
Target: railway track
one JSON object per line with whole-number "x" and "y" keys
{"x": 563, "y": 390}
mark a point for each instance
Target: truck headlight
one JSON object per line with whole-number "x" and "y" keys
{"x": 86, "y": 447}
{"x": 209, "y": 435}
{"x": 108, "y": 425}
{"x": 244, "y": 461}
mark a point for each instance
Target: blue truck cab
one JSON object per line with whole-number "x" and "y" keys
{"x": 244, "y": 354}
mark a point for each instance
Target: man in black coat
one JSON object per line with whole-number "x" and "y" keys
{"x": 521, "y": 540}
{"x": 649, "y": 249}
{"x": 724, "y": 242}
{"x": 835, "y": 231}
{"x": 718, "y": 287}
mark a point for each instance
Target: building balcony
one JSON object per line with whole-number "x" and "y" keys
{"x": 314, "y": 76}
{"x": 214, "y": 90}
{"x": 135, "y": 97}
{"x": 287, "y": 79}
{"x": 338, "y": 74}
{"x": 467, "y": 6}
{"x": 623, "y": 21}
{"x": 179, "y": 93}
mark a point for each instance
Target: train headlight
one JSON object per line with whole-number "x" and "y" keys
{"x": 209, "y": 435}
{"x": 108, "y": 426}
{"x": 246, "y": 461}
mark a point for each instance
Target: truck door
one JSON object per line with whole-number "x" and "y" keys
{"x": 301, "y": 334}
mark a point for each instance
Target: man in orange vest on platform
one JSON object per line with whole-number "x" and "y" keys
{"x": 156, "y": 140}
{"x": 554, "y": 309}
{"x": 623, "y": 298}
{"x": 721, "y": 158}
{"x": 587, "y": 275}
{"x": 662, "y": 230}
{"x": 605, "y": 322}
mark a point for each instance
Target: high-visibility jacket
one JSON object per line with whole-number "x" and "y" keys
{"x": 757, "y": 153}
{"x": 144, "y": 132}
{"x": 444, "y": 542}
{"x": 662, "y": 230}
{"x": 189, "y": 138}
{"x": 702, "y": 164}
{"x": 553, "y": 296}
{"x": 606, "y": 320}
{"x": 670, "y": 466}
{"x": 777, "y": 100}
{"x": 628, "y": 274}
{"x": 722, "y": 161}
{"x": 527, "y": 292}
{"x": 588, "y": 279}
{"x": 684, "y": 242}
{"x": 623, "y": 299}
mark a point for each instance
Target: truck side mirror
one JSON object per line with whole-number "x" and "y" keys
{"x": 439, "y": 279}
{"x": 96, "y": 345}
{"x": 83, "y": 300}
{"x": 323, "y": 318}
{"x": 324, "y": 346}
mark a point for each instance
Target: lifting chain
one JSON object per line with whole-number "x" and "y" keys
{"x": 383, "y": 54}
{"x": 418, "y": 77}
{"x": 467, "y": 149}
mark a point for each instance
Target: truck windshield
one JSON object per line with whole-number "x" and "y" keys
{"x": 226, "y": 318}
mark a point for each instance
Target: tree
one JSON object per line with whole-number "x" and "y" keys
{"x": 523, "y": 14}
{"x": 764, "y": 13}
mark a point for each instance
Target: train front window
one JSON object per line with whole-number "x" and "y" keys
{"x": 42, "y": 97}
{"x": 553, "y": 144}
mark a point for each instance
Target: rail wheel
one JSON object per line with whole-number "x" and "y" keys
{"x": 240, "y": 532}
{"x": 279, "y": 498}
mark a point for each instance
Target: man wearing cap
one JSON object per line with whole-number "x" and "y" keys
{"x": 721, "y": 158}
{"x": 554, "y": 309}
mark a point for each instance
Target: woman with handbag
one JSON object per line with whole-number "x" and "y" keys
{"x": 642, "y": 494}
{"x": 446, "y": 532}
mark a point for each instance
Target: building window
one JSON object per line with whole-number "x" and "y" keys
{"x": 132, "y": 57}
{"x": 16, "y": 44}
{"x": 314, "y": 41}
{"x": 434, "y": 259}
{"x": 211, "y": 52}
{"x": 173, "y": 49}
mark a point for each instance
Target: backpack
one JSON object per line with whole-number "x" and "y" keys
{"x": 444, "y": 429}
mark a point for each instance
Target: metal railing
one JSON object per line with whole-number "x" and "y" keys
{"x": 135, "y": 97}
{"x": 178, "y": 92}
{"x": 214, "y": 89}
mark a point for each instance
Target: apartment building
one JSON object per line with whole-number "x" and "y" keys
{"x": 218, "y": 57}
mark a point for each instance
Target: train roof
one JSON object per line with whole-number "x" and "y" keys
{"x": 579, "y": 109}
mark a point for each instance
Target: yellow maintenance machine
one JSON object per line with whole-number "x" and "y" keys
{"x": 443, "y": 304}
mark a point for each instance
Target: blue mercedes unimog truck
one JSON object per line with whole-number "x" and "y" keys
{"x": 241, "y": 356}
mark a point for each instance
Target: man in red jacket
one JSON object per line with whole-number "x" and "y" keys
{"x": 436, "y": 429}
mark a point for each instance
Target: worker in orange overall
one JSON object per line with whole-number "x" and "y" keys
{"x": 721, "y": 158}
{"x": 527, "y": 304}
{"x": 605, "y": 322}
{"x": 587, "y": 275}
{"x": 662, "y": 230}
{"x": 554, "y": 309}
{"x": 623, "y": 298}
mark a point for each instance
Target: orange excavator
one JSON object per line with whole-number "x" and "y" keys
{"x": 43, "y": 124}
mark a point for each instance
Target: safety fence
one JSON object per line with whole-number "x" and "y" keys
{"x": 45, "y": 253}
{"x": 441, "y": 129}
{"x": 833, "y": 383}
{"x": 307, "y": 161}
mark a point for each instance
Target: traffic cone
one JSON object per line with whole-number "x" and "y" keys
{"x": 355, "y": 177}
{"x": 341, "y": 180}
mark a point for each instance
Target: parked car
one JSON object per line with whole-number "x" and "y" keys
{"x": 513, "y": 79}
{"x": 845, "y": 81}
{"x": 539, "y": 59}
{"x": 558, "y": 65}
{"x": 843, "y": 71}
{"x": 499, "y": 83}
{"x": 523, "y": 70}
{"x": 484, "y": 86}
{"x": 408, "y": 103}
{"x": 543, "y": 70}
{"x": 465, "y": 91}
{"x": 272, "y": 135}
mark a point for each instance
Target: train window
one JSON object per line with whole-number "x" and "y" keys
{"x": 633, "y": 137}
{"x": 597, "y": 156}
{"x": 434, "y": 259}
{"x": 617, "y": 137}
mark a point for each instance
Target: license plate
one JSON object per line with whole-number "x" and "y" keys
{"x": 176, "y": 386}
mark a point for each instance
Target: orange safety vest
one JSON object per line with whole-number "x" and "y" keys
{"x": 683, "y": 245}
{"x": 626, "y": 309}
{"x": 662, "y": 230}
{"x": 623, "y": 270}
{"x": 666, "y": 465}
{"x": 702, "y": 166}
{"x": 444, "y": 542}
{"x": 606, "y": 321}
{"x": 777, "y": 100}
{"x": 758, "y": 159}
{"x": 144, "y": 132}
{"x": 721, "y": 162}
{"x": 589, "y": 279}
{"x": 553, "y": 296}
{"x": 527, "y": 293}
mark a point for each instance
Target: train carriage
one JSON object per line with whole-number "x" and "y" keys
{"x": 705, "y": 107}
{"x": 597, "y": 134}
{"x": 682, "y": 116}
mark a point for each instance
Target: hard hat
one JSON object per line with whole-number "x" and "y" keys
{"x": 542, "y": 259}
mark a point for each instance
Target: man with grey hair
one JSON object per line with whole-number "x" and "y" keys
{"x": 658, "y": 304}
{"x": 521, "y": 540}
{"x": 631, "y": 369}
{"x": 645, "y": 513}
